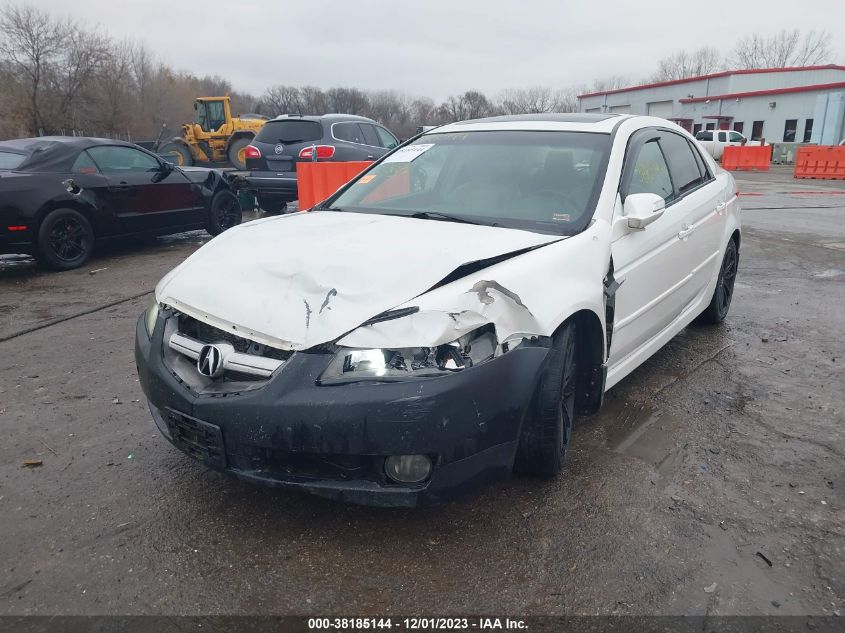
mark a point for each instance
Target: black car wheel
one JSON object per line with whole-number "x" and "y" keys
{"x": 548, "y": 424}
{"x": 272, "y": 205}
{"x": 225, "y": 212}
{"x": 720, "y": 303}
{"x": 65, "y": 240}
{"x": 178, "y": 153}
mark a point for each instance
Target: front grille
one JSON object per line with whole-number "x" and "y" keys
{"x": 205, "y": 333}
{"x": 200, "y": 440}
{"x": 307, "y": 465}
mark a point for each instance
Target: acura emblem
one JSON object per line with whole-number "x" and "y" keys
{"x": 210, "y": 361}
{"x": 279, "y": 148}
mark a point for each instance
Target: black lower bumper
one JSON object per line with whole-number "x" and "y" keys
{"x": 332, "y": 440}
{"x": 270, "y": 185}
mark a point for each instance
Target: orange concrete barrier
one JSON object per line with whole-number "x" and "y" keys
{"x": 821, "y": 162}
{"x": 317, "y": 181}
{"x": 747, "y": 157}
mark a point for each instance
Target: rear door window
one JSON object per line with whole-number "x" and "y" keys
{"x": 370, "y": 136}
{"x": 704, "y": 136}
{"x": 350, "y": 132}
{"x": 684, "y": 169}
{"x": 289, "y": 132}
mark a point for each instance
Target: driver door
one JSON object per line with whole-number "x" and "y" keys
{"x": 653, "y": 264}
{"x": 142, "y": 200}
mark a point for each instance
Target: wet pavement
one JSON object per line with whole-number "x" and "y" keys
{"x": 710, "y": 483}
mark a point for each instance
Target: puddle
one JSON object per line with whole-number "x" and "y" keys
{"x": 644, "y": 433}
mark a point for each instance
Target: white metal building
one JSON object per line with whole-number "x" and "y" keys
{"x": 804, "y": 104}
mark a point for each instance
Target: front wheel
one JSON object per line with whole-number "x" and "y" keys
{"x": 225, "y": 212}
{"x": 65, "y": 240}
{"x": 548, "y": 425}
{"x": 720, "y": 303}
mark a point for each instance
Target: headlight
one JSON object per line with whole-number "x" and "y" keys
{"x": 471, "y": 349}
{"x": 151, "y": 315}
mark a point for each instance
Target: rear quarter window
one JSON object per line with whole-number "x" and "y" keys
{"x": 10, "y": 160}
{"x": 290, "y": 132}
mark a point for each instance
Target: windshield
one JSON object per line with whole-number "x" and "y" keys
{"x": 10, "y": 160}
{"x": 543, "y": 181}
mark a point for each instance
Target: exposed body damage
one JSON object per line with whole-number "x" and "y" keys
{"x": 487, "y": 296}
{"x": 398, "y": 353}
{"x": 298, "y": 281}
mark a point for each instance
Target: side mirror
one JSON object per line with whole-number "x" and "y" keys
{"x": 641, "y": 209}
{"x": 164, "y": 170}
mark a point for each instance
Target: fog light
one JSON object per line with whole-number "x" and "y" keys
{"x": 407, "y": 469}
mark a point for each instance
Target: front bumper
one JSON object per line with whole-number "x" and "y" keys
{"x": 332, "y": 440}
{"x": 273, "y": 185}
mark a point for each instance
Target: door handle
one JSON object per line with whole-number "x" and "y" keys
{"x": 685, "y": 232}
{"x": 121, "y": 187}
{"x": 370, "y": 157}
{"x": 720, "y": 208}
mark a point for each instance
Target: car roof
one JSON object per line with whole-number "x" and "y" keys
{"x": 331, "y": 116}
{"x": 53, "y": 153}
{"x": 572, "y": 121}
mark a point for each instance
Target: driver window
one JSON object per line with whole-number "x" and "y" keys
{"x": 650, "y": 174}
{"x": 112, "y": 159}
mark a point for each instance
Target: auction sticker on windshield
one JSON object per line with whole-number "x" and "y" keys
{"x": 408, "y": 153}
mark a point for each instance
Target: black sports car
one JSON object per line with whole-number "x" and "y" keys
{"x": 59, "y": 195}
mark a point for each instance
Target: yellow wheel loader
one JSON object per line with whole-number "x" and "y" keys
{"x": 215, "y": 137}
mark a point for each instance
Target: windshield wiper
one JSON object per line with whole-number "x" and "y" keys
{"x": 436, "y": 215}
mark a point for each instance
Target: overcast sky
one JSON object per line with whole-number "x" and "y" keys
{"x": 438, "y": 47}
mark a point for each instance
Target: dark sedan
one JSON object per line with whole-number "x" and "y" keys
{"x": 61, "y": 195}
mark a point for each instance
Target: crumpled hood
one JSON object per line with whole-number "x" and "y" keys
{"x": 299, "y": 280}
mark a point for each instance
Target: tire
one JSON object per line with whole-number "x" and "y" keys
{"x": 547, "y": 427}
{"x": 720, "y": 303}
{"x": 65, "y": 240}
{"x": 224, "y": 213}
{"x": 235, "y": 148}
{"x": 181, "y": 154}
{"x": 272, "y": 205}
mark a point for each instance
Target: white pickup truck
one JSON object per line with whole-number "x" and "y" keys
{"x": 715, "y": 141}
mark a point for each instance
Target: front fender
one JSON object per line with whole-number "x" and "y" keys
{"x": 527, "y": 295}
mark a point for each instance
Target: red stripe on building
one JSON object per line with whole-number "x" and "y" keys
{"x": 765, "y": 93}
{"x": 724, "y": 73}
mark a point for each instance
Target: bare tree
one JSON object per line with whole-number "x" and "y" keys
{"x": 346, "y": 100}
{"x": 783, "y": 49}
{"x": 32, "y": 41}
{"x": 613, "y": 82}
{"x": 535, "y": 100}
{"x": 683, "y": 64}
{"x": 313, "y": 100}
{"x": 282, "y": 100}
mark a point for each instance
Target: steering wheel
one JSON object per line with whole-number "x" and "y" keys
{"x": 559, "y": 196}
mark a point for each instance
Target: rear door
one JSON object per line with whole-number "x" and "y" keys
{"x": 353, "y": 142}
{"x": 701, "y": 202}
{"x": 140, "y": 198}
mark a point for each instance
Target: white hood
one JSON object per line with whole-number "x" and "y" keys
{"x": 299, "y": 280}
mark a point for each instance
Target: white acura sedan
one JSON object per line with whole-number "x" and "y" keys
{"x": 442, "y": 318}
